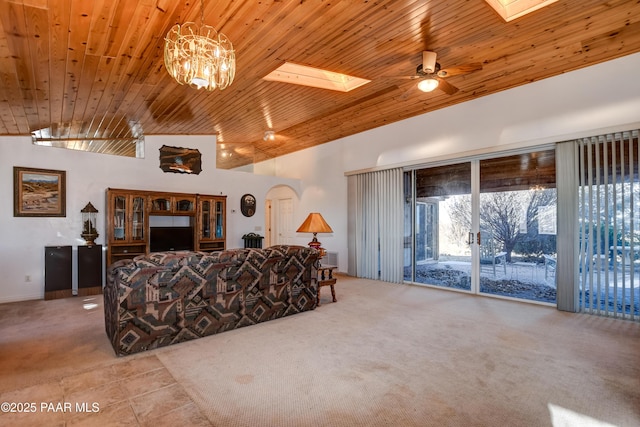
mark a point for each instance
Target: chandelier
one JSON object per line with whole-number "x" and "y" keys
{"x": 199, "y": 56}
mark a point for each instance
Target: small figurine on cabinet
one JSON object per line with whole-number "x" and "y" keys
{"x": 89, "y": 232}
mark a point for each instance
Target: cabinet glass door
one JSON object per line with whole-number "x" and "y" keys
{"x": 206, "y": 219}
{"x": 119, "y": 217}
{"x": 219, "y": 221}
{"x": 137, "y": 219}
{"x": 161, "y": 204}
{"x": 184, "y": 205}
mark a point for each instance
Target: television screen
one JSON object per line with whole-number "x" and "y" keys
{"x": 171, "y": 239}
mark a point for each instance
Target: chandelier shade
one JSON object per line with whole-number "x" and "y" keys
{"x": 199, "y": 56}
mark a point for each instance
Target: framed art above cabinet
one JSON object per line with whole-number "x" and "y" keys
{"x": 180, "y": 160}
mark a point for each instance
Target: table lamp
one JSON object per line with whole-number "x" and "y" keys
{"x": 315, "y": 224}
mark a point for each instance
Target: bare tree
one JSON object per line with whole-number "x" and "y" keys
{"x": 501, "y": 215}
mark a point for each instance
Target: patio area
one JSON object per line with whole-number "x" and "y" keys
{"x": 534, "y": 281}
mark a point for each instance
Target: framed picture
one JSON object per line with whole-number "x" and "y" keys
{"x": 39, "y": 192}
{"x": 180, "y": 160}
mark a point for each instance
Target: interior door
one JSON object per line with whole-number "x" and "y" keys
{"x": 284, "y": 221}
{"x": 267, "y": 223}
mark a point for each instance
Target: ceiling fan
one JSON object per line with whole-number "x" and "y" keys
{"x": 432, "y": 76}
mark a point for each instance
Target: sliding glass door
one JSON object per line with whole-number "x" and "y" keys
{"x": 488, "y": 226}
{"x": 441, "y": 253}
{"x": 517, "y": 218}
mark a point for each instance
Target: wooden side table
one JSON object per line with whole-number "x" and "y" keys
{"x": 327, "y": 279}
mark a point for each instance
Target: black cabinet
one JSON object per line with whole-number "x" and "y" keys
{"x": 57, "y": 272}
{"x": 89, "y": 270}
{"x": 252, "y": 240}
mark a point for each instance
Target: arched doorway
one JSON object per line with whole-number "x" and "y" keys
{"x": 281, "y": 203}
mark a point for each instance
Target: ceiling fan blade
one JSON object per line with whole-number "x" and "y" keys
{"x": 403, "y": 77}
{"x": 460, "y": 69}
{"x": 406, "y": 94}
{"x": 447, "y": 87}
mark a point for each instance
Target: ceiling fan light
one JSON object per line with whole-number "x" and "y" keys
{"x": 269, "y": 136}
{"x": 428, "y": 85}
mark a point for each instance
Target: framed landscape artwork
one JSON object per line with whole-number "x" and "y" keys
{"x": 39, "y": 192}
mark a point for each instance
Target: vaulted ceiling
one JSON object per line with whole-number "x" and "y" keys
{"x": 94, "y": 70}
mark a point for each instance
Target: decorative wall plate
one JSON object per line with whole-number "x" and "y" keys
{"x": 248, "y": 205}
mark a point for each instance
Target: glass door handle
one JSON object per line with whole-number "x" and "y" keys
{"x": 470, "y": 238}
{"x": 478, "y": 239}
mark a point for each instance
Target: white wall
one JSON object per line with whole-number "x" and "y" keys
{"x": 22, "y": 240}
{"x": 586, "y": 102}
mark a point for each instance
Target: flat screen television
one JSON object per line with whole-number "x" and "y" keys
{"x": 170, "y": 239}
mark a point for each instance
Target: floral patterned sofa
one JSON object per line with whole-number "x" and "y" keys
{"x": 169, "y": 297}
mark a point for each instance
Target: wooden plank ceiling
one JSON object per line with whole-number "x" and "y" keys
{"x": 94, "y": 70}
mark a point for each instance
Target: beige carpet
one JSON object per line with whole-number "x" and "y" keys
{"x": 383, "y": 355}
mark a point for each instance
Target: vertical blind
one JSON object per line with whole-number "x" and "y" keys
{"x": 377, "y": 218}
{"x": 567, "y": 282}
{"x": 609, "y": 224}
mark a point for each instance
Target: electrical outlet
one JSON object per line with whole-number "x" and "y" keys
{"x": 257, "y": 228}
{"x": 27, "y": 278}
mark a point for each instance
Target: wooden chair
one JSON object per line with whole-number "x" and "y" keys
{"x": 489, "y": 256}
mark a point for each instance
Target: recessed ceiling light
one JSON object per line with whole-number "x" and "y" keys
{"x": 512, "y": 9}
{"x": 314, "y": 77}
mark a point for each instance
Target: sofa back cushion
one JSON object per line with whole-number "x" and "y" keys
{"x": 169, "y": 297}
{"x": 169, "y": 260}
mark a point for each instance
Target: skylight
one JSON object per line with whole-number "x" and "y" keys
{"x": 512, "y": 9}
{"x": 314, "y": 77}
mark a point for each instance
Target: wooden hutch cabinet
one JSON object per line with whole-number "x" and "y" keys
{"x": 131, "y": 215}
{"x": 127, "y": 227}
{"x": 211, "y": 223}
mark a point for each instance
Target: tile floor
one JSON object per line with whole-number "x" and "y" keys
{"x": 140, "y": 392}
